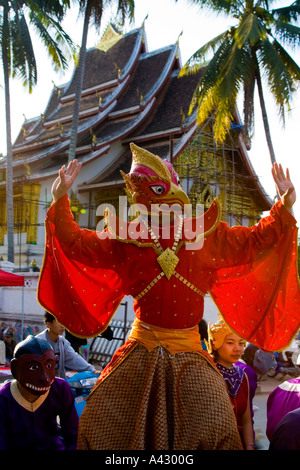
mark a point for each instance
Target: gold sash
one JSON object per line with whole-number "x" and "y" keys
{"x": 174, "y": 340}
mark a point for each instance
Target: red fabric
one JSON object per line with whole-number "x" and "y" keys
{"x": 9, "y": 279}
{"x": 250, "y": 272}
{"x": 240, "y": 402}
{"x": 264, "y": 292}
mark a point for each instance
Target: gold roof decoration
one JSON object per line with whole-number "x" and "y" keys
{"x": 110, "y": 37}
{"x": 141, "y": 156}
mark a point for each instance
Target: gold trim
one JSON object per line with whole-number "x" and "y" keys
{"x": 180, "y": 244}
{"x": 189, "y": 284}
{"x": 129, "y": 240}
{"x": 178, "y": 276}
{"x": 204, "y": 234}
{"x": 152, "y": 283}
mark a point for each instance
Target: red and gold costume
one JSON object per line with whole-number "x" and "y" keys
{"x": 250, "y": 272}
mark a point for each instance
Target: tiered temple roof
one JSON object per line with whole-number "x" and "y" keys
{"x": 129, "y": 94}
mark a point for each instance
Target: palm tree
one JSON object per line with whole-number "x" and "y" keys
{"x": 18, "y": 61}
{"x": 239, "y": 58}
{"x": 92, "y": 10}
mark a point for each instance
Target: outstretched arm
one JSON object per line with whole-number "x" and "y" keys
{"x": 284, "y": 186}
{"x": 65, "y": 179}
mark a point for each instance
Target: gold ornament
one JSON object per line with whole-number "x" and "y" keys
{"x": 167, "y": 259}
{"x": 168, "y": 262}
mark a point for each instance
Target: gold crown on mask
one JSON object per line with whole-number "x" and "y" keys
{"x": 141, "y": 156}
{"x": 137, "y": 182}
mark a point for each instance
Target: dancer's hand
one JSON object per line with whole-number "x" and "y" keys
{"x": 65, "y": 179}
{"x": 284, "y": 186}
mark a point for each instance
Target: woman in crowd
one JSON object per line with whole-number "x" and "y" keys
{"x": 227, "y": 348}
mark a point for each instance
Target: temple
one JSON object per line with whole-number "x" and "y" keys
{"x": 129, "y": 94}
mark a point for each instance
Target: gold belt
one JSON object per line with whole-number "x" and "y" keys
{"x": 174, "y": 340}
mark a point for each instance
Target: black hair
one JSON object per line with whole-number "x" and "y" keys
{"x": 48, "y": 317}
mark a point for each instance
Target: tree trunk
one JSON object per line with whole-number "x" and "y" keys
{"x": 79, "y": 82}
{"x": 265, "y": 118}
{"x": 9, "y": 157}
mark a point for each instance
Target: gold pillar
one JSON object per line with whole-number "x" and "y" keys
{"x": 26, "y": 211}
{"x": 33, "y": 214}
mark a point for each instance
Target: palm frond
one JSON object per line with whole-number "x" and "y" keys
{"x": 273, "y": 60}
{"x": 238, "y": 59}
{"x": 248, "y": 108}
{"x": 218, "y": 88}
{"x": 237, "y": 74}
{"x": 126, "y": 10}
{"x": 6, "y": 37}
{"x": 199, "y": 59}
{"x": 214, "y": 69}
{"x": 54, "y": 26}
{"x": 207, "y": 103}
{"x": 229, "y": 7}
{"x": 223, "y": 118}
{"x": 56, "y": 8}
{"x": 23, "y": 63}
{"x": 292, "y": 68}
{"x": 250, "y": 30}
{"x": 54, "y": 39}
{"x": 288, "y": 13}
{"x": 287, "y": 33}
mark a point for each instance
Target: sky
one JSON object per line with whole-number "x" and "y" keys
{"x": 165, "y": 22}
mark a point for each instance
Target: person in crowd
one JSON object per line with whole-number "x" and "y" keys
{"x": 68, "y": 359}
{"x": 286, "y": 435}
{"x": 227, "y": 348}
{"x": 257, "y": 364}
{"x": 10, "y": 344}
{"x": 262, "y": 362}
{"x": 32, "y": 403}
{"x": 203, "y": 333}
{"x": 86, "y": 274}
{"x": 252, "y": 380}
{"x": 282, "y": 400}
{"x": 75, "y": 342}
{"x": 2, "y": 353}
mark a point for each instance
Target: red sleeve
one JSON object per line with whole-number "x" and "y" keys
{"x": 239, "y": 245}
{"x": 92, "y": 248}
{"x": 78, "y": 282}
{"x": 256, "y": 288}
